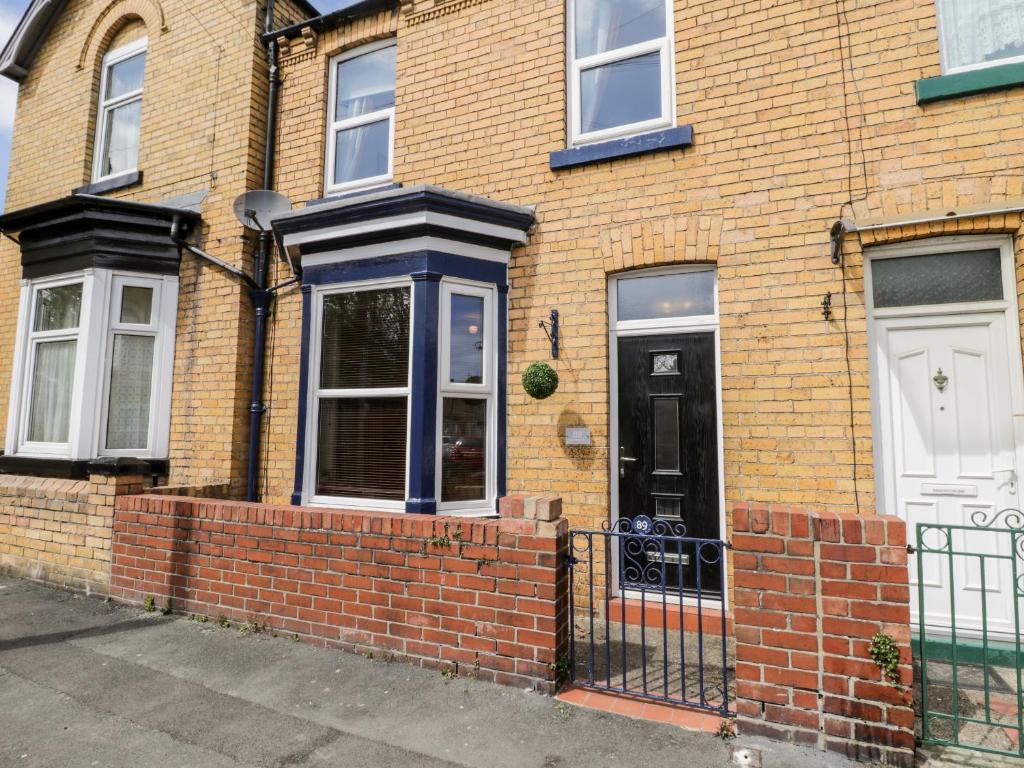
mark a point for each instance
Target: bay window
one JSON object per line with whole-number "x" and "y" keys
{"x": 620, "y": 68}
{"x": 362, "y": 398}
{"x": 93, "y": 365}
{"x": 119, "y": 117}
{"x": 403, "y": 358}
{"x": 52, "y": 351}
{"x": 362, "y": 395}
{"x": 980, "y": 33}
{"x": 361, "y": 117}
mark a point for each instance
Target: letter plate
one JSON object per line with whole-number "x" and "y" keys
{"x": 948, "y": 489}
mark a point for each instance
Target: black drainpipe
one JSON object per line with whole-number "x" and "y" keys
{"x": 261, "y": 296}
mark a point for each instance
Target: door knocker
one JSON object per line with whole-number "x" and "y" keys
{"x": 940, "y": 380}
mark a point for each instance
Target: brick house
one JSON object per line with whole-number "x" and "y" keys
{"x": 782, "y": 242}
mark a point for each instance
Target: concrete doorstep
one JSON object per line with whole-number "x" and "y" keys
{"x": 87, "y": 683}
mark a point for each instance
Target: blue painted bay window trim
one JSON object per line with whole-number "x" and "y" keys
{"x": 646, "y": 143}
{"x": 426, "y": 292}
{"x": 501, "y": 394}
{"x": 300, "y": 437}
{"x": 405, "y": 264}
{"x": 426, "y": 269}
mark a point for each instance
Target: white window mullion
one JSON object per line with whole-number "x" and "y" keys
{"x": 87, "y": 391}
{"x": 18, "y": 386}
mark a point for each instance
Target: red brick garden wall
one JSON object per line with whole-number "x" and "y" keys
{"x": 811, "y": 590}
{"x": 484, "y": 597}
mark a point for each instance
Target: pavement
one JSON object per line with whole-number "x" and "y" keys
{"x": 89, "y": 683}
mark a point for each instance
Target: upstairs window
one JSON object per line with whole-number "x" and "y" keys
{"x": 361, "y": 117}
{"x": 980, "y": 33}
{"x": 119, "y": 116}
{"x": 620, "y": 68}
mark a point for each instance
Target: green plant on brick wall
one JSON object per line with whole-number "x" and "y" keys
{"x": 540, "y": 380}
{"x": 561, "y": 669}
{"x": 149, "y": 604}
{"x": 886, "y": 654}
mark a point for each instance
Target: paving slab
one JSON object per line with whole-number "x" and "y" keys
{"x": 89, "y": 683}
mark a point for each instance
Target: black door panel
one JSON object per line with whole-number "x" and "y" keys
{"x": 668, "y": 444}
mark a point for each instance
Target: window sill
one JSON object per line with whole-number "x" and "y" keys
{"x": 109, "y": 185}
{"x": 335, "y": 196}
{"x": 80, "y": 469}
{"x": 646, "y": 143}
{"x": 967, "y": 83}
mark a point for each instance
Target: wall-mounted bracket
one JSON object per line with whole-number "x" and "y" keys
{"x": 551, "y": 331}
{"x": 826, "y": 306}
{"x": 836, "y": 234}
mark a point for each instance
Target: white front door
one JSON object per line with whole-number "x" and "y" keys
{"x": 946, "y": 411}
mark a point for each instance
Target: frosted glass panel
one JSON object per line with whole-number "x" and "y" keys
{"x": 943, "y": 278}
{"x": 680, "y": 295}
{"x": 666, "y": 435}
{"x": 50, "y": 409}
{"x": 131, "y": 379}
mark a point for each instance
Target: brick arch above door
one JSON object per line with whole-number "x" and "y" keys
{"x": 662, "y": 241}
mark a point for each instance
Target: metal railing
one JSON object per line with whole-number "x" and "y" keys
{"x": 968, "y": 656}
{"x": 647, "y": 613}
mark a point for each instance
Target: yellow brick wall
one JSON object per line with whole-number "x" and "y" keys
{"x": 60, "y": 531}
{"x": 203, "y": 120}
{"x": 782, "y": 149}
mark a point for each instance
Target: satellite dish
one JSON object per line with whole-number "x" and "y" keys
{"x": 255, "y": 209}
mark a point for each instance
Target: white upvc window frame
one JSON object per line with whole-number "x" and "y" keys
{"x": 90, "y": 381}
{"x": 316, "y": 394}
{"x": 943, "y": 61}
{"x": 161, "y": 329}
{"x": 665, "y": 46}
{"x": 28, "y": 340}
{"x": 335, "y": 126}
{"x": 107, "y": 106}
{"x": 487, "y": 390}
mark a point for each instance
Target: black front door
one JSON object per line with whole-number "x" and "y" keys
{"x": 668, "y": 451}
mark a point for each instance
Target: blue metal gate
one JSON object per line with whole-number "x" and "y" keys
{"x": 647, "y": 613}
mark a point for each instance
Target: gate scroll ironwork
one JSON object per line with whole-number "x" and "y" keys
{"x": 654, "y": 625}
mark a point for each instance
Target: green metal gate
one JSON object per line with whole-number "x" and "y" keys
{"x": 967, "y": 652}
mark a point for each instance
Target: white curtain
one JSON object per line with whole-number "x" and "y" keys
{"x": 131, "y": 380}
{"x": 123, "y": 138}
{"x": 50, "y": 410}
{"x": 981, "y": 31}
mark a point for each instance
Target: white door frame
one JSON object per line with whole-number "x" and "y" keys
{"x": 885, "y": 484}
{"x": 626, "y": 328}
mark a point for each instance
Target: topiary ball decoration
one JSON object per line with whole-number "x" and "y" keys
{"x": 540, "y": 380}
